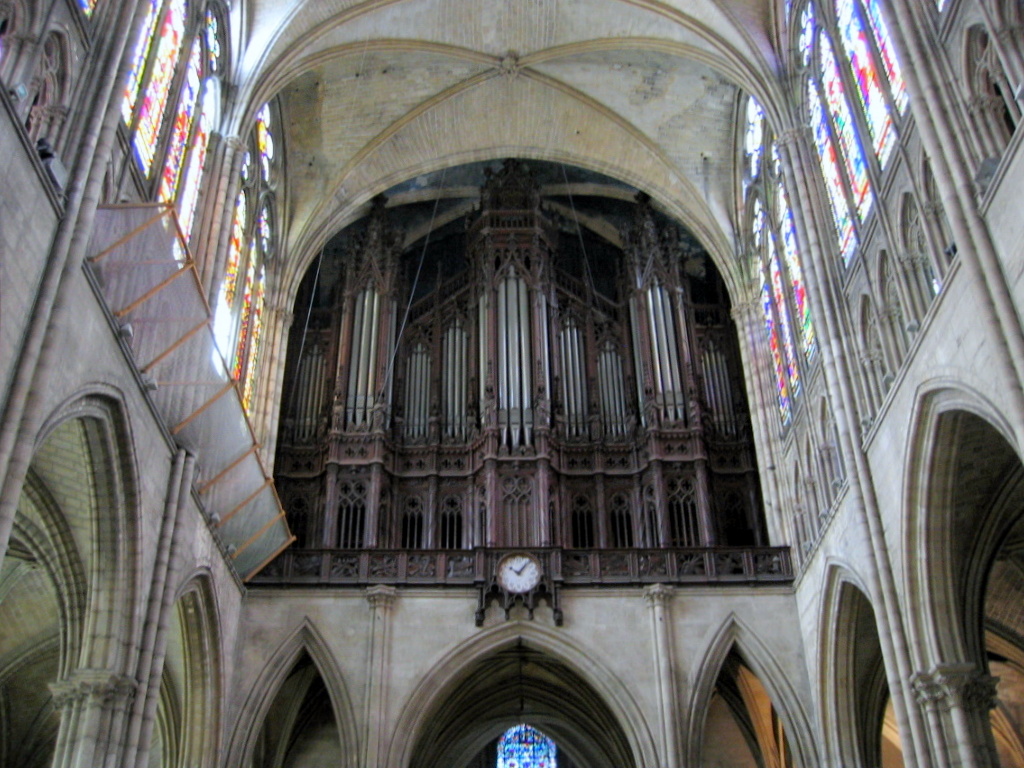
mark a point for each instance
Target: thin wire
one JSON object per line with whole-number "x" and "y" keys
{"x": 579, "y": 229}
{"x": 305, "y": 327}
{"x": 412, "y": 291}
{"x": 320, "y": 260}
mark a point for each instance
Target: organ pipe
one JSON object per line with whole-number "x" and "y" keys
{"x": 532, "y": 326}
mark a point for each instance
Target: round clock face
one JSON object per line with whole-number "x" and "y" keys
{"x": 518, "y": 573}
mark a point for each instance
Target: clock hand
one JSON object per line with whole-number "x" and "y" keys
{"x": 521, "y": 568}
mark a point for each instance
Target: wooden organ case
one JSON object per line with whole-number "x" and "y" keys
{"x": 513, "y": 404}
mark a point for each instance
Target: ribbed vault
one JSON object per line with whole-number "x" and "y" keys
{"x": 515, "y": 685}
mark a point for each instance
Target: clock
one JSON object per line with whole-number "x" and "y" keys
{"x": 518, "y": 573}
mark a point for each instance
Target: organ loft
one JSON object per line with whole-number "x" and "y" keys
{"x": 510, "y": 383}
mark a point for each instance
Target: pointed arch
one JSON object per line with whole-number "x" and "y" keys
{"x": 92, "y": 427}
{"x": 305, "y": 639}
{"x": 851, "y": 672}
{"x": 930, "y": 451}
{"x": 199, "y": 623}
{"x": 734, "y": 635}
{"x": 416, "y": 712}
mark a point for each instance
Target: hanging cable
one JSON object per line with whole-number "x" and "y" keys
{"x": 412, "y": 292}
{"x": 579, "y": 229}
{"x": 305, "y": 327}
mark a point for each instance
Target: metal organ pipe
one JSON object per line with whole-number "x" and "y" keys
{"x": 634, "y": 326}
{"x": 482, "y": 337}
{"x": 353, "y": 367}
{"x": 371, "y": 363}
{"x": 613, "y": 392}
{"x": 525, "y": 367}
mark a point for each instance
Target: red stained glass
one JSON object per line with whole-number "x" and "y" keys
{"x": 256, "y": 332}
{"x": 869, "y": 84}
{"x": 182, "y": 126}
{"x": 154, "y": 102}
{"x": 782, "y": 387}
{"x": 142, "y": 46}
{"x": 782, "y": 310}
{"x": 189, "y": 195}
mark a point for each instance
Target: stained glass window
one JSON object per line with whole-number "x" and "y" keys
{"x": 145, "y": 42}
{"x": 182, "y": 126}
{"x": 869, "y": 86}
{"x": 855, "y": 165}
{"x": 523, "y": 746}
{"x": 785, "y": 407}
{"x": 805, "y": 42}
{"x": 213, "y": 40}
{"x": 787, "y": 317}
{"x": 264, "y": 141}
{"x": 841, "y": 214}
{"x": 255, "y": 332}
{"x": 754, "y": 139}
{"x": 154, "y": 101}
{"x": 238, "y": 324}
{"x": 885, "y": 49}
{"x": 87, "y": 6}
{"x": 791, "y": 257}
{"x": 245, "y": 316}
{"x": 189, "y": 194}
{"x": 785, "y": 332}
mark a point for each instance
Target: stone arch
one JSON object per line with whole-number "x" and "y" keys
{"x": 634, "y": 743}
{"x": 40, "y": 529}
{"x": 89, "y": 435}
{"x": 307, "y": 641}
{"x": 197, "y": 621}
{"x": 50, "y": 88}
{"x": 857, "y": 714}
{"x": 989, "y": 91}
{"x": 931, "y": 452}
{"x": 965, "y": 492}
{"x": 68, "y": 579}
{"x": 734, "y": 637}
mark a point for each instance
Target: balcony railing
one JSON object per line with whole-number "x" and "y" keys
{"x": 567, "y": 567}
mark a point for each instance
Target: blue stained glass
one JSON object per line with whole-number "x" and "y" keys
{"x": 841, "y": 215}
{"x": 842, "y": 119}
{"x": 523, "y": 746}
{"x": 869, "y": 83}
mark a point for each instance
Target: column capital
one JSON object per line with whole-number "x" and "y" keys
{"x": 97, "y": 684}
{"x": 744, "y": 310}
{"x": 791, "y": 137}
{"x": 958, "y": 685}
{"x": 658, "y": 595}
{"x": 381, "y": 596}
{"x": 967, "y": 687}
{"x": 236, "y": 143}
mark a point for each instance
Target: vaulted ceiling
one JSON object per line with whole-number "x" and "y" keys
{"x": 378, "y": 92}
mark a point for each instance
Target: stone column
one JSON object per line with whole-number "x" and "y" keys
{"x": 763, "y": 409}
{"x": 93, "y": 704}
{"x": 658, "y": 597}
{"x": 827, "y": 304}
{"x": 381, "y": 598}
{"x": 956, "y": 699}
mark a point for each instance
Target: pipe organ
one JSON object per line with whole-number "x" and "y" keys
{"x": 512, "y": 401}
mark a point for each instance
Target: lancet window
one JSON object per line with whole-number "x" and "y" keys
{"x": 241, "y": 299}
{"x": 791, "y": 337}
{"x": 855, "y": 95}
{"x": 172, "y": 100}
{"x": 537, "y": 374}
